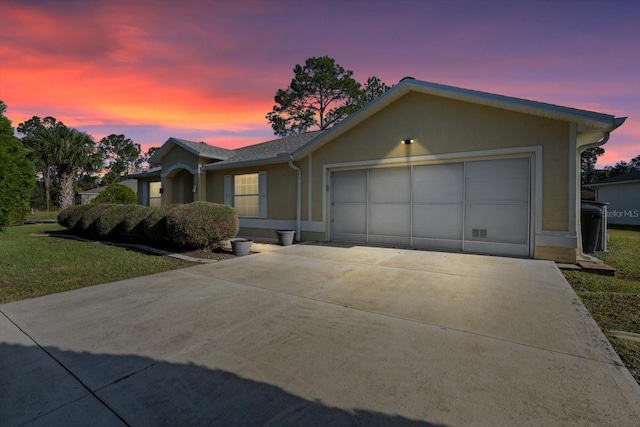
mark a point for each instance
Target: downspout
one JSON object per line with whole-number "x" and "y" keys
{"x": 598, "y": 143}
{"x": 298, "y": 195}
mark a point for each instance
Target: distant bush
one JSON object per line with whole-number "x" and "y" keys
{"x": 201, "y": 224}
{"x": 71, "y": 217}
{"x": 155, "y": 224}
{"x": 118, "y": 194}
{"x": 90, "y": 217}
{"x": 110, "y": 223}
{"x": 134, "y": 224}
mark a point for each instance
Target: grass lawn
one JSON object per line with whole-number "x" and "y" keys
{"x": 33, "y": 264}
{"x": 53, "y": 214}
{"x": 614, "y": 302}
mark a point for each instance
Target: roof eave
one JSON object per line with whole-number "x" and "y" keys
{"x": 246, "y": 163}
{"x": 633, "y": 181}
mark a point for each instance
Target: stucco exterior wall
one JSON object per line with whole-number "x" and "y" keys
{"x": 624, "y": 202}
{"x": 178, "y": 156}
{"x": 281, "y": 188}
{"x": 443, "y": 126}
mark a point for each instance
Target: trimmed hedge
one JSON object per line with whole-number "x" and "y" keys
{"x": 71, "y": 217}
{"x": 90, "y": 217}
{"x": 155, "y": 224}
{"x": 110, "y": 223}
{"x": 117, "y": 193}
{"x": 134, "y": 224}
{"x": 201, "y": 224}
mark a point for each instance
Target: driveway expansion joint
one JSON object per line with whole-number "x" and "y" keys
{"x": 89, "y": 391}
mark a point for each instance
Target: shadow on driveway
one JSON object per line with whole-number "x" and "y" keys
{"x": 38, "y": 387}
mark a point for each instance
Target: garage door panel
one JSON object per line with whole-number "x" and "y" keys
{"x": 438, "y": 221}
{"x": 390, "y": 185}
{"x": 349, "y": 218}
{"x": 442, "y": 244}
{"x": 502, "y": 223}
{"x": 497, "y": 180}
{"x": 485, "y": 190}
{"x": 349, "y": 186}
{"x": 390, "y": 220}
{"x": 438, "y": 183}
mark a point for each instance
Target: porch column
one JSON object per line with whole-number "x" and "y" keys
{"x": 167, "y": 196}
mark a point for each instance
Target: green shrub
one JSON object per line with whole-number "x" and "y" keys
{"x": 71, "y": 217}
{"x": 110, "y": 223}
{"x": 118, "y": 194}
{"x": 19, "y": 215}
{"x": 90, "y": 217}
{"x": 155, "y": 224}
{"x": 201, "y": 224}
{"x": 134, "y": 225}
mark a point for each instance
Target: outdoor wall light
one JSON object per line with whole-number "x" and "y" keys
{"x": 161, "y": 190}
{"x": 407, "y": 141}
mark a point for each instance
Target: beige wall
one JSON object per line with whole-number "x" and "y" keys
{"x": 438, "y": 127}
{"x": 444, "y": 126}
{"x": 178, "y": 155}
{"x": 281, "y": 188}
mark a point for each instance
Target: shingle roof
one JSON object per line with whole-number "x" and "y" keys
{"x": 633, "y": 175}
{"x": 205, "y": 150}
{"x": 265, "y": 151}
{"x": 151, "y": 172}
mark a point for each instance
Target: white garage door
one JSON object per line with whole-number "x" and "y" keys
{"x": 480, "y": 206}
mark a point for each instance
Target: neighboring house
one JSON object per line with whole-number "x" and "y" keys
{"x": 622, "y": 193}
{"x": 424, "y": 166}
{"x": 89, "y": 195}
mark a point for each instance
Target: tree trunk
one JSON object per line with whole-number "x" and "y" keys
{"x": 46, "y": 175}
{"x": 67, "y": 191}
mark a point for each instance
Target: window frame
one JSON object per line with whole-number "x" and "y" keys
{"x": 230, "y": 196}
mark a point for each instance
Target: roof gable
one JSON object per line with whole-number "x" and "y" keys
{"x": 199, "y": 149}
{"x": 586, "y": 121}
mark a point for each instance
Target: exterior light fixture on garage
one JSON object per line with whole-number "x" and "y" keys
{"x": 407, "y": 141}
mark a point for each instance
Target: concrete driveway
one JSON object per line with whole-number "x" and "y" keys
{"x": 316, "y": 335}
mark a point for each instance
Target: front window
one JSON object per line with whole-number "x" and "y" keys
{"x": 246, "y": 196}
{"x": 154, "y": 194}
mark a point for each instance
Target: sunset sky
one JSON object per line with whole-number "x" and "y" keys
{"x": 208, "y": 70}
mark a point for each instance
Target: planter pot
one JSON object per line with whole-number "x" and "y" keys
{"x": 285, "y": 237}
{"x": 241, "y": 247}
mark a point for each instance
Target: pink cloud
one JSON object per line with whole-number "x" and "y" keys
{"x": 197, "y": 68}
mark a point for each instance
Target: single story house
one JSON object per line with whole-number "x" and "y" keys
{"x": 89, "y": 195}
{"x": 622, "y": 193}
{"x": 424, "y": 166}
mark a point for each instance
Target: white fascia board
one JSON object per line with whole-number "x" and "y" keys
{"x": 613, "y": 183}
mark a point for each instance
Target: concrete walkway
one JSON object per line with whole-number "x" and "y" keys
{"x": 316, "y": 335}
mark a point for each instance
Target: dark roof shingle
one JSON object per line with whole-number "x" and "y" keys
{"x": 268, "y": 150}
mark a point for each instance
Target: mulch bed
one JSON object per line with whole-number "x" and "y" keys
{"x": 218, "y": 254}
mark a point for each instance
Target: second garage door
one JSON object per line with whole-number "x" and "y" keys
{"x": 478, "y": 206}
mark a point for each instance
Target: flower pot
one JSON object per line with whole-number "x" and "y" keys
{"x": 285, "y": 237}
{"x": 241, "y": 247}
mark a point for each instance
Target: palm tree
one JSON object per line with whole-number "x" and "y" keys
{"x": 67, "y": 150}
{"x": 40, "y": 144}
